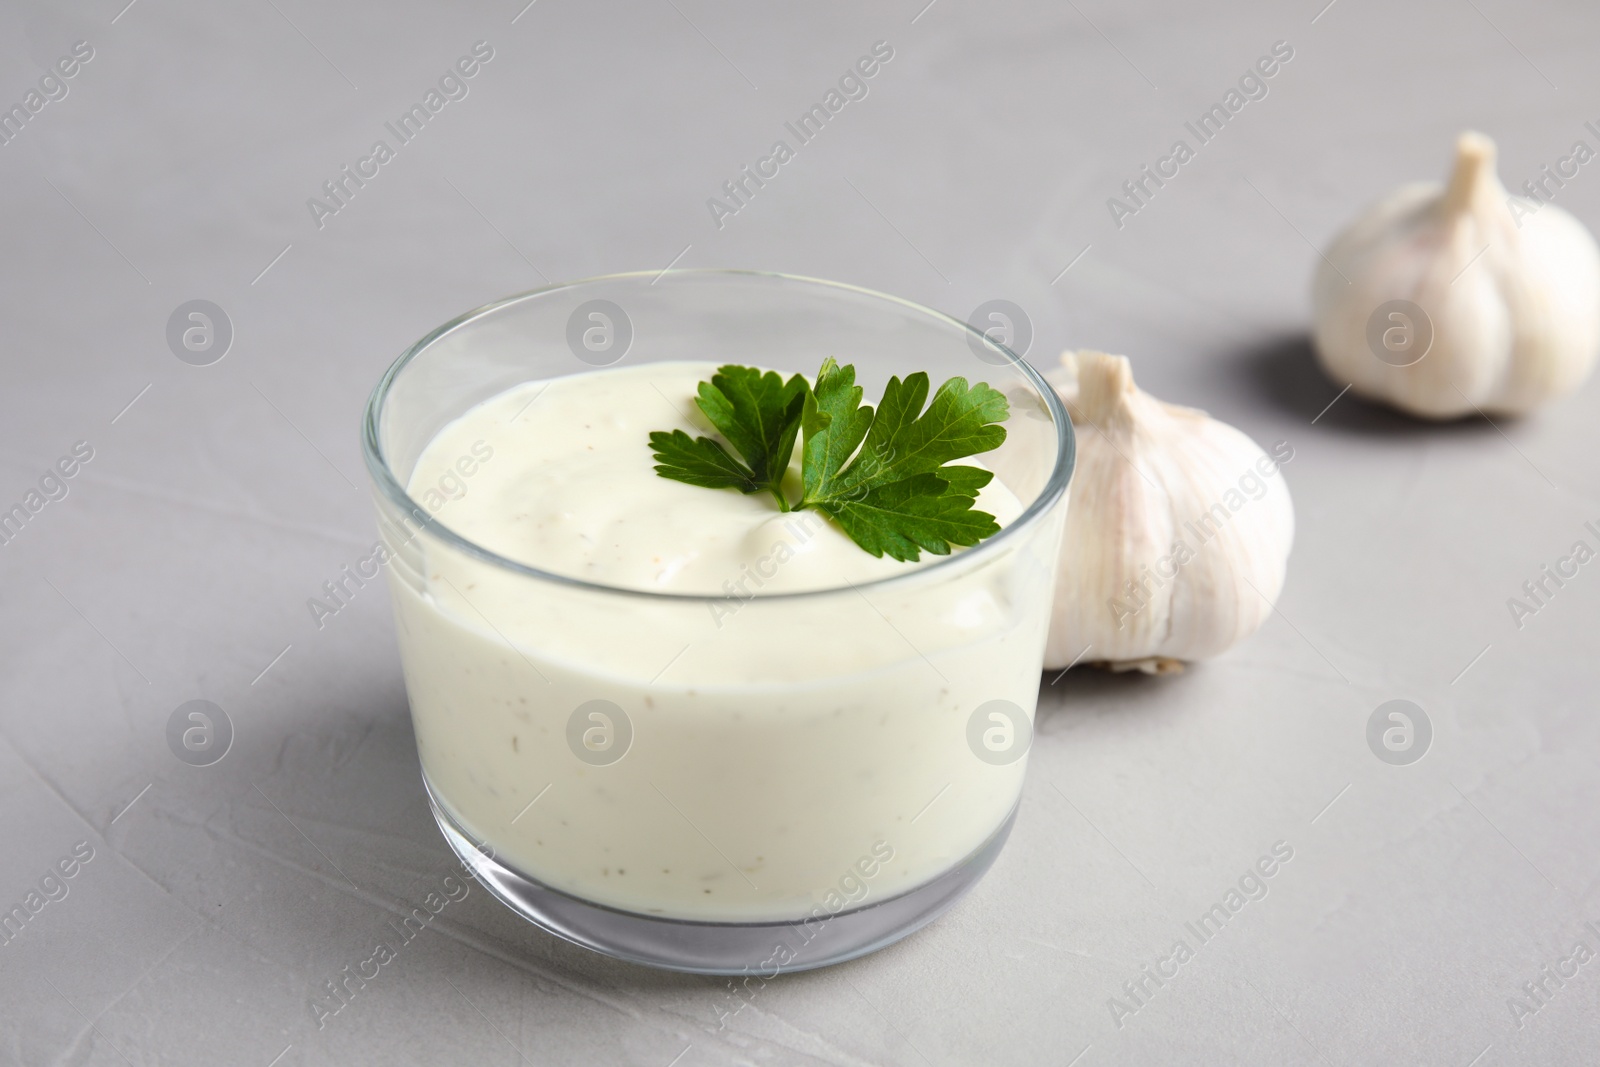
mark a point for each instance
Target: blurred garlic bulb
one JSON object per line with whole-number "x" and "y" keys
{"x": 1445, "y": 300}
{"x": 1178, "y": 529}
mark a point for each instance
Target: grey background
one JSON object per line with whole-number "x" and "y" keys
{"x": 1419, "y": 898}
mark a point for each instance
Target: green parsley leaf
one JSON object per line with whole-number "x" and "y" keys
{"x": 884, "y": 476}
{"x": 923, "y": 511}
{"x": 960, "y": 422}
{"x": 834, "y": 424}
{"x": 700, "y": 461}
{"x": 758, "y": 413}
{"x": 897, "y": 496}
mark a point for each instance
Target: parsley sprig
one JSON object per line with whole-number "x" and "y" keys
{"x": 883, "y": 475}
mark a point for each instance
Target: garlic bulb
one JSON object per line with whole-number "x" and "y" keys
{"x": 1448, "y": 300}
{"x": 1178, "y": 529}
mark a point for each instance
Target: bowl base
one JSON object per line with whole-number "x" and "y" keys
{"x": 757, "y": 949}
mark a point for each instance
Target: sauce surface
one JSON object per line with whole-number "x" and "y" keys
{"x": 569, "y": 486}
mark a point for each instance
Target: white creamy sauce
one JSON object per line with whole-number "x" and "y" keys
{"x": 572, "y": 490}
{"x": 776, "y": 742}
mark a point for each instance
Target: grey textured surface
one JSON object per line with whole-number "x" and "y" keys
{"x": 1419, "y": 898}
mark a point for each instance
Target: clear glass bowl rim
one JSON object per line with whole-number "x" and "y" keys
{"x": 386, "y": 482}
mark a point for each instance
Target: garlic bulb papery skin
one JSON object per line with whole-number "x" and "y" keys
{"x": 1508, "y": 287}
{"x": 1177, "y": 534}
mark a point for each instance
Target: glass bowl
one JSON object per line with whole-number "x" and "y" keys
{"x": 842, "y": 787}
